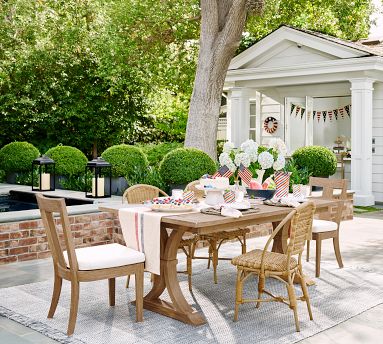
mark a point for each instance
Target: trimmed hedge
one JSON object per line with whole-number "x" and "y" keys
{"x": 125, "y": 160}
{"x": 319, "y": 161}
{"x": 184, "y": 165}
{"x": 156, "y": 152}
{"x": 70, "y": 161}
{"x": 17, "y": 157}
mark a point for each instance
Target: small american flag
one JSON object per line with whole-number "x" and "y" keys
{"x": 245, "y": 174}
{"x": 223, "y": 171}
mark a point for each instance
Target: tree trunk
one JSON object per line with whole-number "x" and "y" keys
{"x": 222, "y": 23}
{"x": 94, "y": 150}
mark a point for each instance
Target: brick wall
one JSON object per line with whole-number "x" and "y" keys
{"x": 26, "y": 240}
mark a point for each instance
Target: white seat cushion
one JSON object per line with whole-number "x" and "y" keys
{"x": 320, "y": 226}
{"x": 105, "y": 256}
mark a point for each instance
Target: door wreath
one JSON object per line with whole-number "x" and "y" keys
{"x": 270, "y": 125}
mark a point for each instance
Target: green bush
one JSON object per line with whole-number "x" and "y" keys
{"x": 70, "y": 161}
{"x": 184, "y": 165}
{"x": 156, "y": 152}
{"x": 148, "y": 176}
{"x": 125, "y": 159}
{"x": 319, "y": 161}
{"x": 17, "y": 157}
{"x": 2, "y": 176}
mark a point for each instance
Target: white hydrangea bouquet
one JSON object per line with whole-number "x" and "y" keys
{"x": 262, "y": 161}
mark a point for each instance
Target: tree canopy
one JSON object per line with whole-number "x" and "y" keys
{"x": 92, "y": 73}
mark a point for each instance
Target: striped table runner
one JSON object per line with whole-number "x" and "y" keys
{"x": 141, "y": 230}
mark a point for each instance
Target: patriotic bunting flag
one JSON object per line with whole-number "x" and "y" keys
{"x": 298, "y": 108}
{"x": 348, "y": 110}
{"x": 335, "y": 113}
{"x": 302, "y": 112}
{"x": 318, "y": 115}
{"x": 245, "y": 174}
{"x": 223, "y": 171}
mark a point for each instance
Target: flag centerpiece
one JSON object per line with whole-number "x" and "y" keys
{"x": 250, "y": 157}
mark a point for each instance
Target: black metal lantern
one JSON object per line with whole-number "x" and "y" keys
{"x": 43, "y": 174}
{"x": 98, "y": 174}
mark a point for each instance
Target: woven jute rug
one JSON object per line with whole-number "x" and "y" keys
{"x": 338, "y": 295}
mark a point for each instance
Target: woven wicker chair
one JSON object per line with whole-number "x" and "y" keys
{"x": 141, "y": 192}
{"x": 282, "y": 267}
{"x": 199, "y": 194}
{"x": 327, "y": 227}
{"x": 215, "y": 240}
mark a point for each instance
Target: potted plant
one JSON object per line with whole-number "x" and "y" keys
{"x": 125, "y": 161}
{"x": 299, "y": 178}
{"x": 16, "y": 161}
{"x": 70, "y": 165}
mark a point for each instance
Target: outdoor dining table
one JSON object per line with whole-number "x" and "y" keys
{"x": 172, "y": 229}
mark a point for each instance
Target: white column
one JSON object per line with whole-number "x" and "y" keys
{"x": 238, "y": 115}
{"x": 361, "y": 140}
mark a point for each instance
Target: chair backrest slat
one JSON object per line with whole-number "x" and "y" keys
{"x": 141, "y": 192}
{"x": 49, "y": 206}
{"x": 329, "y": 186}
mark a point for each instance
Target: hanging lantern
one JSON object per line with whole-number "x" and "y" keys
{"x": 44, "y": 168}
{"x": 100, "y": 172}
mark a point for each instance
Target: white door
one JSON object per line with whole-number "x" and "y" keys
{"x": 298, "y": 122}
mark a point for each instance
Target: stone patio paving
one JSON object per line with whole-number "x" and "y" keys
{"x": 361, "y": 245}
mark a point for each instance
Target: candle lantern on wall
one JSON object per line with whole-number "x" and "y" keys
{"x": 43, "y": 174}
{"x": 98, "y": 174}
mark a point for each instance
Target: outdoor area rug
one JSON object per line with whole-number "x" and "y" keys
{"x": 338, "y": 295}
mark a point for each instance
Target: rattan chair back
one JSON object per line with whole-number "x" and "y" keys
{"x": 300, "y": 228}
{"x": 192, "y": 187}
{"x": 141, "y": 192}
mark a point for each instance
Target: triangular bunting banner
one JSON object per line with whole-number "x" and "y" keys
{"x": 335, "y": 113}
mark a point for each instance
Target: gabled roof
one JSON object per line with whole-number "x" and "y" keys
{"x": 330, "y": 46}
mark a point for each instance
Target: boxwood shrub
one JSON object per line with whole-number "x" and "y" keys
{"x": 17, "y": 157}
{"x": 184, "y": 165}
{"x": 320, "y": 161}
{"x": 125, "y": 160}
{"x": 156, "y": 152}
{"x": 70, "y": 161}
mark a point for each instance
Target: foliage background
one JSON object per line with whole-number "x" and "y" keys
{"x": 93, "y": 73}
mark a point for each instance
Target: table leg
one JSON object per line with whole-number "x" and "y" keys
{"x": 179, "y": 308}
{"x": 280, "y": 240}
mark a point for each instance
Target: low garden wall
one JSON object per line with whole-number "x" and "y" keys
{"x": 26, "y": 240}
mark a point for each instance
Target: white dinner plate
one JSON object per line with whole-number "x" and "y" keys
{"x": 239, "y": 206}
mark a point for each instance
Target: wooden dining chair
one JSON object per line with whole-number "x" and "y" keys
{"x": 327, "y": 227}
{"x": 86, "y": 264}
{"x": 281, "y": 266}
{"x": 215, "y": 240}
{"x": 142, "y": 192}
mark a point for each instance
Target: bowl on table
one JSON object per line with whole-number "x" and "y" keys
{"x": 266, "y": 194}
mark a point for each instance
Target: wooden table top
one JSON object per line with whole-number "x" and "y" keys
{"x": 200, "y": 223}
